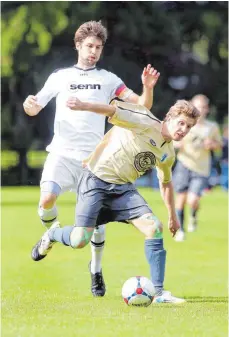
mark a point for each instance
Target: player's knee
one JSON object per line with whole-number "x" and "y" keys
{"x": 80, "y": 236}
{"x": 47, "y": 201}
{"x": 193, "y": 201}
{"x": 49, "y": 193}
{"x": 154, "y": 227}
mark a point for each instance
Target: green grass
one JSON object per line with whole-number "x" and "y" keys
{"x": 52, "y": 297}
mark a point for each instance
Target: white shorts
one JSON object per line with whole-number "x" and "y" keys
{"x": 63, "y": 171}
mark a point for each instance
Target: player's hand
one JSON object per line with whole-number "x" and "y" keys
{"x": 150, "y": 76}
{"x": 173, "y": 225}
{"x": 29, "y": 102}
{"x": 208, "y": 144}
{"x": 30, "y": 105}
{"x": 74, "y": 103}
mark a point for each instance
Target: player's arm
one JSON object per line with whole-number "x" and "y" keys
{"x": 214, "y": 142}
{"x": 167, "y": 194}
{"x": 164, "y": 174}
{"x": 34, "y": 104}
{"x": 125, "y": 115}
{"x": 103, "y": 109}
{"x": 149, "y": 77}
{"x": 30, "y": 106}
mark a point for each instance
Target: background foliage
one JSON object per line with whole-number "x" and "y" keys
{"x": 185, "y": 41}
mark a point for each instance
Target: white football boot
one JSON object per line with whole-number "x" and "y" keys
{"x": 166, "y": 297}
{"x": 192, "y": 226}
{"x": 180, "y": 236}
{"x": 44, "y": 245}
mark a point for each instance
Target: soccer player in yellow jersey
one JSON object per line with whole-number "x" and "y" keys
{"x": 194, "y": 165}
{"x": 137, "y": 142}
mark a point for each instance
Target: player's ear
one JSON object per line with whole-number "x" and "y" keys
{"x": 77, "y": 45}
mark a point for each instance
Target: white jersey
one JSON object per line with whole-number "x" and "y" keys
{"x": 76, "y": 132}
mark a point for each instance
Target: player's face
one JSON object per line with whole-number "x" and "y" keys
{"x": 202, "y": 106}
{"x": 179, "y": 126}
{"x": 89, "y": 50}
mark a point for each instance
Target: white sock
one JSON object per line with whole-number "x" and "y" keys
{"x": 47, "y": 216}
{"x": 97, "y": 247}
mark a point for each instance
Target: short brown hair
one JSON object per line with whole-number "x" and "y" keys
{"x": 91, "y": 28}
{"x": 183, "y": 107}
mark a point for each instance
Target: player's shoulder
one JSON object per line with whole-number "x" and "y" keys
{"x": 106, "y": 73}
{"x": 211, "y": 124}
{"x": 64, "y": 70}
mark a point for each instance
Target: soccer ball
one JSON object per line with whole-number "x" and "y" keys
{"x": 138, "y": 291}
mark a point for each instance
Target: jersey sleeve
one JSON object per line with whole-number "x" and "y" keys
{"x": 132, "y": 116}
{"x": 49, "y": 90}
{"x": 118, "y": 88}
{"x": 164, "y": 171}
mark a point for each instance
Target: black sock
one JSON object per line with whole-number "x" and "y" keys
{"x": 193, "y": 212}
{"x": 180, "y": 215}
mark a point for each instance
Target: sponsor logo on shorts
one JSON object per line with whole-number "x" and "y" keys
{"x": 143, "y": 161}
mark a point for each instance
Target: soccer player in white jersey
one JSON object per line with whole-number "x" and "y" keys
{"x": 137, "y": 142}
{"x": 77, "y": 134}
{"x": 194, "y": 165}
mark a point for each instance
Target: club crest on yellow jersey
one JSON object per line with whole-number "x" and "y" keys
{"x": 144, "y": 161}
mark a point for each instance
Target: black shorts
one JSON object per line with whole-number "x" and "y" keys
{"x": 100, "y": 202}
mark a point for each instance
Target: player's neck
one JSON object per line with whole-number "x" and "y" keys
{"x": 165, "y": 132}
{"x": 84, "y": 66}
{"x": 201, "y": 120}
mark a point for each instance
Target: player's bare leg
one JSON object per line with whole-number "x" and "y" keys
{"x": 47, "y": 209}
{"x": 47, "y": 212}
{"x": 193, "y": 201}
{"x": 180, "y": 206}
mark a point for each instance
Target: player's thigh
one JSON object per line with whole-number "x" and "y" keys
{"x": 181, "y": 178}
{"x": 181, "y": 200}
{"x": 123, "y": 203}
{"x": 91, "y": 196}
{"x": 58, "y": 169}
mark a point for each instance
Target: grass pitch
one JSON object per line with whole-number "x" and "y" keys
{"x": 52, "y": 297}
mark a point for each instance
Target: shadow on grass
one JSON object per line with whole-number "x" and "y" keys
{"x": 206, "y": 299}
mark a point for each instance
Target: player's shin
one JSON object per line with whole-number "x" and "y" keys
{"x": 73, "y": 236}
{"x": 97, "y": 247}
{"x": 47, "y": 209}
{"x": 152, "y": 228}
{"x": 47, "y": 216}
{"x": 156, "y": 256}
{"x": 180, "y": 216}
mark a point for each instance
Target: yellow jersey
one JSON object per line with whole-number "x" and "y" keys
{"x": 192, "y": 154}
{"x": 133, "y": 146}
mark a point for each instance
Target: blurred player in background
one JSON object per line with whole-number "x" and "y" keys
{"x": 193, "y": 166}
{"x": 224, "y": 159}
{"x": 137, "y": 142}
{"x": 77, "y": 134}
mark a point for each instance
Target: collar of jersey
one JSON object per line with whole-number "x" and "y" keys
{"x": 75, "y": 66}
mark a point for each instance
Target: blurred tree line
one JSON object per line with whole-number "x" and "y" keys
{"x": 185, "y": 41}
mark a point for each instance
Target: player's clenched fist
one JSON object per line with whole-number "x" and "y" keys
{"x": 74, "y": 103}
{"x": 30, "y": 105}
